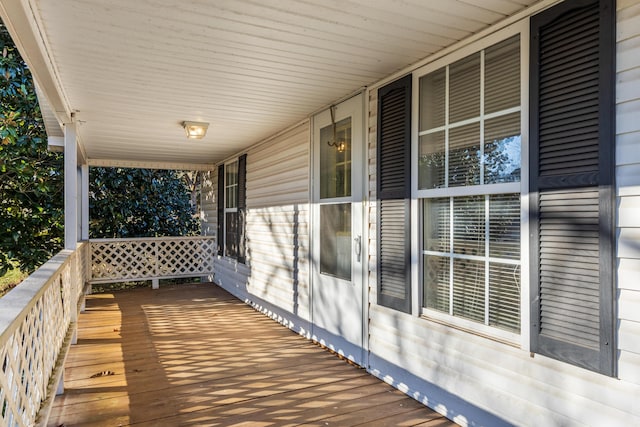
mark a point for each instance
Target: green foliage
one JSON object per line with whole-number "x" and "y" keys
{"x": 139, "y": 203}
{"x": 31, "y": 188}
{"x": 11, "y": 278}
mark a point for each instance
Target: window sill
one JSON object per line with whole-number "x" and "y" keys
{"x": 494, "y": 334}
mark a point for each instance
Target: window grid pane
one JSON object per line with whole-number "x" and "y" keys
{"x": 436, "y": 280}
{"x": 231, "y": 185}
{"x": 502, "y": 149}
{"x": 464, "y": 89}
{"x": 504, "y": 296}
{"x": 464, "y": 155}
{"x": 504, "y": 226}
{"x": 431, "y": 163}
{"x": 469, "y": 289}
{"x": 502, "y": 76}
{"x": 432, "y": 96}
{"x": 469, "y": 225}
{"x": 436, "y": 226}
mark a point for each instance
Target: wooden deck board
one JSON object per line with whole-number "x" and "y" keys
{"x": 194, "y": 355}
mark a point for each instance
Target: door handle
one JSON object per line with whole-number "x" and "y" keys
{"x": 358, "y": 246}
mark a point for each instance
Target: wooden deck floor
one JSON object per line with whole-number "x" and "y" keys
{"x": 194, "y": 355}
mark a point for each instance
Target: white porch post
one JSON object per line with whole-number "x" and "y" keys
{"x": 84, "y": 195}
{"x": 70, "y": 186}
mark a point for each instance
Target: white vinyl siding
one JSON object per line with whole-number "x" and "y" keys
{"x": 278, "y": 220}
{"x": 628, "y": 188}
{"x": 277, "y": 227}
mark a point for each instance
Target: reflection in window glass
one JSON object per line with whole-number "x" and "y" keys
{"x": 504, "y": 296}
{"x": 464, "y": 89}
{"x": 468, "y": 289}
{"x": 464, "y": 155}
{"x": 436, "y": 224}
{"x": 231, "y": 234}
{"x": 502, "y": 149}
{"x": 231, "y": 185}
{"x": 432, "y": 96}
{"x": 431, "y": 164}
{"x": 504, "y": 226}
{"x": 335, "y": 160}
{"x": 436, "y": 283}
{"x": 468, "y": 225}
{"x": 502, "y": 76}
{"x": 335, "y": 240}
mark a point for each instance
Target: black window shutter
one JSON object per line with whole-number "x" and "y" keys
{"x": 572, "y": 183}
{"x": 394, "y": 194}
{"x": 220, "y": 201}
{"x": 242, "y": 207}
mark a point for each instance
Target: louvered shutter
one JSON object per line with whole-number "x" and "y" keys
{"x": 242, "y": 207}
{"x": 394, "y": 194}
{"x": 572, "y": 183}
{"x": 220, "y": 202}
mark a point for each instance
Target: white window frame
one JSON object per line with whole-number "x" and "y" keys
{"x": 522, "y": 339}
{"x": 226, "y": 209}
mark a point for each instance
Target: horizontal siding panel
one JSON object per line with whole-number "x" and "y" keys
{"x": 288, "y": 199}
{"x": 628, "y": 88}
{"x": 277, "y": 189}
{"x": 280, "y": 166}
{"x": 627, "y": 114}
{"x": 628, "y": 180}
{"x": 629, "y": 305}
{"x": 628, "y": 246}
{"x": 282, "y": 261}
{"x": 629, "y": 211}
{"x": 628, "y": 22}
{"x": 627, "y": 151}
{"x": 628, "y": 274}
{"x": 628, "y": 54}
{"x": 629, "y": 336}
{"x": 286, "y": 237}
{"x": 628, "y": 363}
{"x": 264, "y": 272}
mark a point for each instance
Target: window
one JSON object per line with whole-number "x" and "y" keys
{"x": 470, "y": 169}
{"x": 232, "y": 209}
{"x": 469, "y": 143}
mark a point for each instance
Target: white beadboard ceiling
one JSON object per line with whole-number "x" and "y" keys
{"x": 133, "y": 70}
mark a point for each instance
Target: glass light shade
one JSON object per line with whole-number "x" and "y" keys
{"x": 195, "y": 130}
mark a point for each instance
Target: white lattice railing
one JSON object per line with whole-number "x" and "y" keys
{"x": 37, "y": 322}
{"x": 116, "y": 260}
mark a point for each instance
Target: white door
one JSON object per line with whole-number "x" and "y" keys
{"x": 338, "y": 266}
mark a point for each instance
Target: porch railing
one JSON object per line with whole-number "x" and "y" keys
{"x": 119, "y": 260}
{"x": 38, "y": 317}
{"x": 37, "y": 324}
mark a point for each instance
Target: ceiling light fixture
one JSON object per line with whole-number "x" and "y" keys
{"x": 339, "y": 145}
{"x": 195, "y": 130}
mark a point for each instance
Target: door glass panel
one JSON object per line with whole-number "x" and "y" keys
{"x": 335, "y": 240}
{"x": 335, "y": 160}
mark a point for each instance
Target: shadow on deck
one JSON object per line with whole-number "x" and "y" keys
{"x": 195, "y": 355}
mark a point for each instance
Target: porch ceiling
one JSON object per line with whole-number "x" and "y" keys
{"x": 134, "y": 70}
